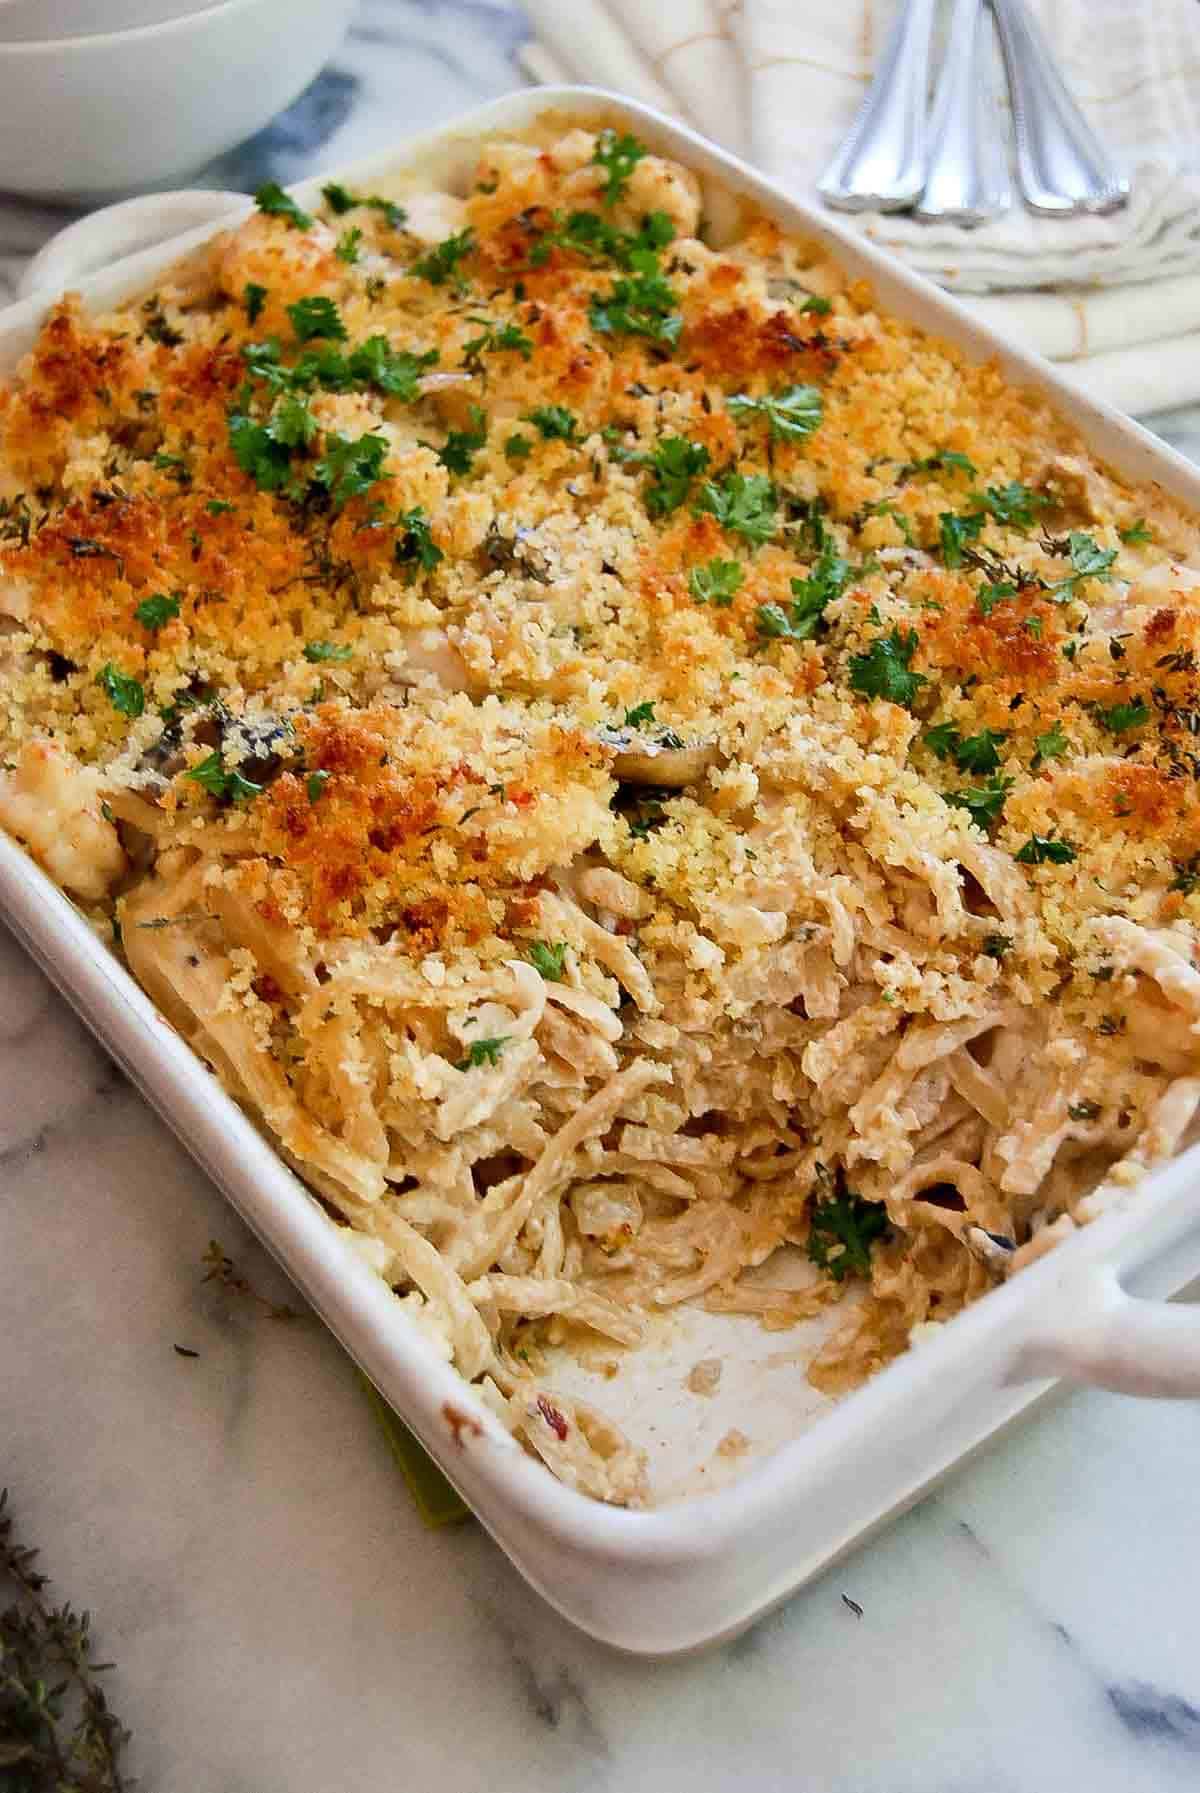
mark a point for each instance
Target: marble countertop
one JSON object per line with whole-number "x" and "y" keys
{"x": 281, "y": 1620}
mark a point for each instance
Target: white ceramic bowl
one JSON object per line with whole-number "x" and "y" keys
{"x": 87, "y": 117}
{"x": 34, "y": 21}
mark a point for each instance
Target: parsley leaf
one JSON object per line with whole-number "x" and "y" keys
{"x": 254, "y": 297}
{"x": 1050, "y": 746}
{"x": 675, "y": 462}
{"x": 317, "y": 317}
{"x": 982, "y": 803}
{"x": 217, "y": 507}
{"x": 347, "y": 246}
{"x": 956, "y": 532}
{"x": 715, "y": 583}
{"x": 946, "y": 460}
{"x": 643, "y": 305}
{"x": 828, "y": 579}
{"x": 415, "y": 545}
{"x": 350, "y": 465}
{"x": 1014, "y": 504}
{"x": 340, "y": 200}
{"x": 742, "y": 503}
{"x": 1136, "y": 533}
{"x": 518, "y": 447}
{"x": 292, "y": 424}
{"x": 484, "y": 1052}
{"x": 211, "y": 773}
{"x": 257, "y": 453}
{"x": 942, "y": 739}
{"x": 791, "y": 414}
{"x": 885, "y": 669}
{"x": 817, "y": 305}
{"x": 496, "y": 339}
{"x": 315, "y": 784}
{"x": 618, "y": 156}
{"x": 463, "y": 445}
{"x": 977, "y": 753}
{"x": 1124, "y": 716}
{"x": 155, "y": 611}
{"x": 1043, "y": 849}
{"x": 549, "y": 959}
{"x": 394, "y": 371}
{"x": 639, "y": 716}
{"x": 272, "y": 199}
{"x": 988, "y": 596}
{"x": 124, "y": 694}
{"x": 440, "y": 265}
{"x": 842, "y": 1230}
{"x": 317, "y": 651}
{"x": 555, "y": 423}
{"x": 1088, "y": 561}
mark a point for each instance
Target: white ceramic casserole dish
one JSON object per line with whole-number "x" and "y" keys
{"x": 734, "y": 1536}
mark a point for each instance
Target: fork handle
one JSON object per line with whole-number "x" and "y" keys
{"x": 966, "y": 178}
{"x": 1061, "y": 164}
{"x": 881, "y": 164}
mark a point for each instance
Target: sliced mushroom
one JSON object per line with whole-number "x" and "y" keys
{"x": 669, "y": 762}
{"x": 516, "y": 553}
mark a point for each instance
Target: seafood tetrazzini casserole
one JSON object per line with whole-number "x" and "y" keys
{"x": 632, "y": 765}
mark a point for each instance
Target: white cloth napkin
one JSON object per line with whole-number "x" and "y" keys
{"x": 779, "y": 81}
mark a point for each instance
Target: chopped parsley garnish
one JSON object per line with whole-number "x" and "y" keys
{"x": 956, "y": 532}
{"x": 942, "y": 739}
{"x": 1187, "y": 875}
{"x": 254, "y": 297}
{"x": 550, "y": 959}
{"x": 977, "y": 753}
{"x": 555, "y": 423}
{"x": 124, "y": 694}
{"x": 257, "y": 453}
{"x": 675, "y": 463}
{"x": 292, "y": 424}
{"x": 1014, "y": 504}
{"x": 518, "y": 447}
{"x": 397, "y": 372}
{"x": 463, "y": 445}
{"x": 885, "y": 508}
{"x": 982, "y": 803}
{"x": 315, "y": 784}
{"x": 174, "y": 464}
{"x": 618, "y": 156}
{"x": 995, "y": 946}
{"x": 842, "y": 1229}
{"x": 947, "y": 460}
{"x": 156, "y": 611}
{"x": 642, "y": 305}
{"x": 988, "y": 596}
{"x": 590, "y": 235}
{"x": 317, "y": 651}
{"x": 639, "y": 716}
{"x": 348, "y": 245}
{"x": 1044, "y": 849}
{"x": 1050, "y": 746}
{"x": 217, "y": 507}
{"x": 440, "y": 265}
{"x": 742, "y": 503}
{"x": 791, "y": 414}
{"x": 415, "y": 545}
{"x": 350, "y": 465}
{"x": 1136, "y": 533}
{"x": 885, "y": 670}
{"x": 1124, "y": 716}
{"x": 715, "y": 583}
{"x": 340, "y": 201}
{"x": 496, "y": 339}
{"x": 484, "y": 1052}
{"x": 218, "y": 782}
{"x": 1088, "y": 561}
{"x": 317, "y": 317}
{"x": 817, "y": 306}
{"x": 272, "y": 199}
{"x": 800, "y": 622}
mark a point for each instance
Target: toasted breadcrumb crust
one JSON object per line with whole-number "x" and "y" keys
{"x": 447, "y": 800}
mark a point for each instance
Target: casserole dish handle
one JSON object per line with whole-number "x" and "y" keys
{"x": 102, "y": 237}
{"x": 1103, "y": 1336}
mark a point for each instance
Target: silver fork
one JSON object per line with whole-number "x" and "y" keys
{"x": 1062, "y": 166}
{"x": 966, "y": 179}
{"x": 880, "y": 166}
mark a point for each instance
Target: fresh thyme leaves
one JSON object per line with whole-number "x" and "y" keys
{"x": 462, "y": 446}
{"x": 674, "y": 464}
{"x": 983, "y": 803}
{"x": 717, "y": 582}
{"x": 220, "y": 1268}
{"x": 885, "y": 670}
{"x": 549, "y": 958}
{"x": 227, "y": 785}
{"x": 1045, "y": 849}
{"x": 254, "y": 297}
{"x": 1124, "y": 716}
{"x": 842, "y": 1230}
{"x": 440, "y": 266}
{"x": 272, "y": 199}
{"x": 742, "y": 503}
{"x": 618, "y": 155}
{"x": 124, "y": 694}
{"x": 316, "y": 317}
{"x": 156, "y": 611}
{"x": 483, "y": 1052}
{"x": 340, "y": 200}
{"x": 791, "y": 414}
{"x": 317, "y": 652}
{"x": 58, "y": 1733}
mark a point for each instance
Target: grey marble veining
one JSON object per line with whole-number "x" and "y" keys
{"x": 281, "y": 1620}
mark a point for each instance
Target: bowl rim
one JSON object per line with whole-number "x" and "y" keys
{"x": 131, "y": 35}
